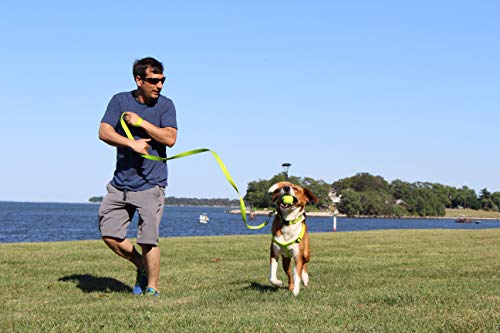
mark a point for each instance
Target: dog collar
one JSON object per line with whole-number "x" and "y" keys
{"x": 296, "y": 240}
{"x": 297, "y": 220}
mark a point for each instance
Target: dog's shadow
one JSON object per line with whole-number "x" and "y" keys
{"x": 89, "y": 283}
{"x": 262, "y": 288}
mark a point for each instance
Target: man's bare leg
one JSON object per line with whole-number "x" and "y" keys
{"x": 125, "y": 249}
{"x": 151, "y": 257}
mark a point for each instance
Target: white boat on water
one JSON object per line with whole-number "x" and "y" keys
{"x": 203, "y": 218}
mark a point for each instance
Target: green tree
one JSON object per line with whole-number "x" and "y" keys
{"x": 466, "y": 198}
{"x": 486, "y": 202}
{"x": 350, "y": 203}
{"x": 376, "y": 203}
{"x": 443, "y": 193}
{"x": 399, "y": 210}
{"x": 484, "y": 194}
{"x": 401, "y": 190}
{"x": 362, "y": 182}
{"x": 320, "y": 188}
{"x": 426, "y": 203}
{"x": 489, "y": 204}
{"x": 257, "y": 195}
{"x": 495, "y": 196}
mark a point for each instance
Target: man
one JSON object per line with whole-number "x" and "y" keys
{"x": 138, "y": 184}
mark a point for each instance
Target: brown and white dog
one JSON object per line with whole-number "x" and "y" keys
{"x": 290, "y": 238}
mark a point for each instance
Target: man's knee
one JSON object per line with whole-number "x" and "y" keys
{"x": 112, "y": 241}
{"x": 148, "y": 247}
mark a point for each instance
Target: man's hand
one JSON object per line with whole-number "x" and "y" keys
{"x": 108, "y": 134}
{"x": 131, "y": 118}
{"x": 164, "y": 135}
{"x": 140, "y": 146}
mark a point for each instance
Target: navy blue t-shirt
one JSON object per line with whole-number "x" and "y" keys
{"x": 134, "y": 172}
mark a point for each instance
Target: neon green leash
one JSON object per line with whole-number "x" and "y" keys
{"x": 193, "y": 152}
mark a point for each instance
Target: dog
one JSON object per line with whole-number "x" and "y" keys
{"x": 290, "y": 237}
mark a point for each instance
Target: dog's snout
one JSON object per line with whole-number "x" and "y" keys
{"x": 286, "y": 189}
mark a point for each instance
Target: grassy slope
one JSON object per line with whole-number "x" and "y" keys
{"x": 377, "y": 281}
{"x": 472, "y": 213}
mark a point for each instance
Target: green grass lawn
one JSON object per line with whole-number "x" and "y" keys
{"x": 376, "y": 281}
{"x": 472, "y": 213}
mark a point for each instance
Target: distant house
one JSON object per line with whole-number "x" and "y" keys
{"x": 334, "y": 197}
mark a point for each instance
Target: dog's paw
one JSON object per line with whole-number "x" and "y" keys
{"x": 277, "y": 283}
{"x": 305, "y": 279}
{"x": 296, "y": 291}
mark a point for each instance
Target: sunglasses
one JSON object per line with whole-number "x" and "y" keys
{"x": 154, "y": 81}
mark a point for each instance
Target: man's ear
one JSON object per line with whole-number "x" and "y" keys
{"x": 138, "y": 81}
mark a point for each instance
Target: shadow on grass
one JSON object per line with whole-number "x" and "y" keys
{"x": 262, "y": 288}
{"x": 89, "y": 283}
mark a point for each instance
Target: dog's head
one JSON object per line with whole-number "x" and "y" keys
{"x": 291, "y": 209}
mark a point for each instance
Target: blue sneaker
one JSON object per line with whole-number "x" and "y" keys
{"x": 151, "y": 292}
{"x": 141, "y": 282}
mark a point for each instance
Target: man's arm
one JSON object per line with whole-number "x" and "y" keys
{"x": 166, "y": 135}
{"x": 108, "y": 134}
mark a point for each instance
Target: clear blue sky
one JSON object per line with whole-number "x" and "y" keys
{"x": 403, "y": 90}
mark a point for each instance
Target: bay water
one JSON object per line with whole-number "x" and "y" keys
{"x": 48, "y": 222}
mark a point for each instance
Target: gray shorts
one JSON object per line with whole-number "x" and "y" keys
{"x": 118, "y": 208}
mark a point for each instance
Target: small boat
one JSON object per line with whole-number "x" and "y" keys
{"x": 203, "y": 218}
{"x": 463, "y": 219}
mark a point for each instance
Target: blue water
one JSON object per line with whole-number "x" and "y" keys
{"x": 42, "y": 222}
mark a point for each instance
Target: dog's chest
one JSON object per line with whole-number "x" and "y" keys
{"x": 291, "y": 231}
{"x": 291, "y": 213}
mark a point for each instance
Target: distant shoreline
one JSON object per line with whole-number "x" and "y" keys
{"x": 456, "y": 213}
{"x": 330, "y": 214}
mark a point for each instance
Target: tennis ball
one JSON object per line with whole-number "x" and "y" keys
{"x": 287, "y": 199}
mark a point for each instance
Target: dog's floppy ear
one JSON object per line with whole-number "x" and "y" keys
{"x": 275, "y": 189}
{"x": 311, "y": 196}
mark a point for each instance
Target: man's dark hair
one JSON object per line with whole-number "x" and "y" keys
{"x": 141, "y": 65}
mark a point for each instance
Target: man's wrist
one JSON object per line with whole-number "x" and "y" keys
{"x": 138, "y": 122}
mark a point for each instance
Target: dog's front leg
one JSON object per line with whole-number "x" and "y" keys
{"x": 297, "y": 270}
{"x": 306, "y": 257}
{"x": 288, "y": 270}
{"x": 275, "y": 252}
{"x": 297, "y": 273}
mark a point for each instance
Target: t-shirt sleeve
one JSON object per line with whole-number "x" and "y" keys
{"x": 113, "y": 112}
{"x": 169, "y": 116}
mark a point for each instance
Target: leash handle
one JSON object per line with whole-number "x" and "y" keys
{"x": 222, "y": 166}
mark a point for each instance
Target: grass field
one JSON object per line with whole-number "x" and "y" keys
{"x": 377, "y": 281}
{"x": 472, "y": 213}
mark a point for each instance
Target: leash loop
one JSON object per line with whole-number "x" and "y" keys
{"x": 243, "y": 209}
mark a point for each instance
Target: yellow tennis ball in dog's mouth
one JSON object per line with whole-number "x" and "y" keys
{"x": 287, "y": 199}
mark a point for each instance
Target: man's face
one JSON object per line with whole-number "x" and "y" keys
{"x": 151, "y": 84}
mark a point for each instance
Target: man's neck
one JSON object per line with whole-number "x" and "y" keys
{"x": 143, "y": 99}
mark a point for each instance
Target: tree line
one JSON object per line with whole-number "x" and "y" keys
{"x": 173, "y": 201}
{"x": 362, "y": 195}
{"x": 369, "y": 195}
{"x": 221, "y": 202}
